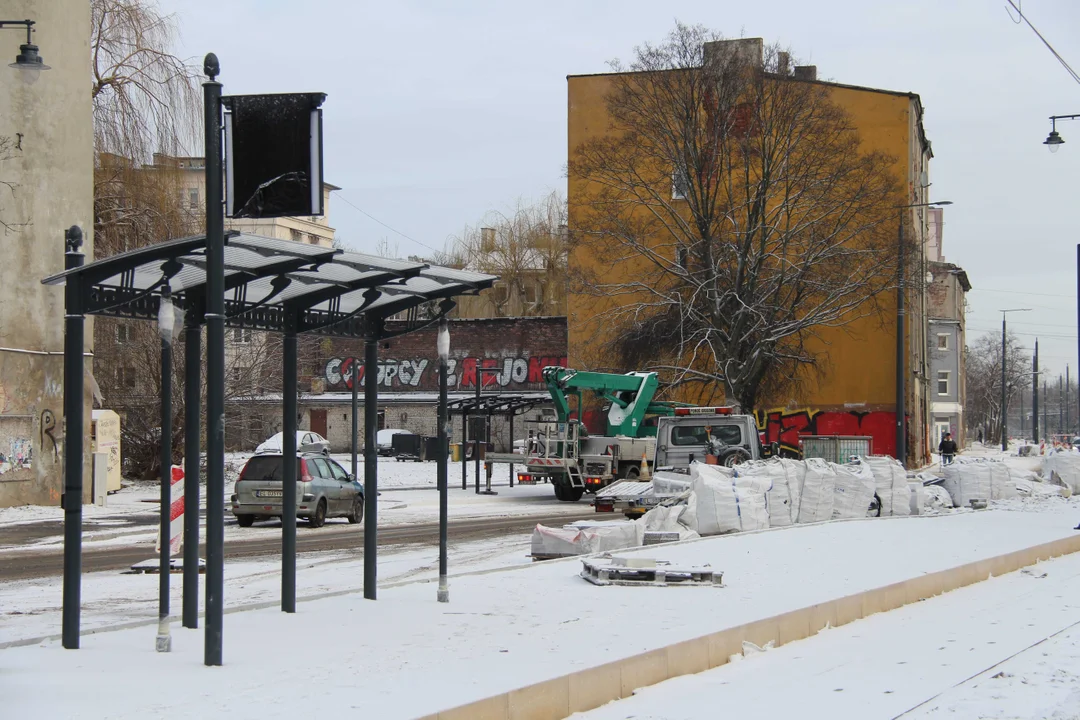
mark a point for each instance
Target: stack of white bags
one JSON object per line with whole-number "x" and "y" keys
{"x": 752, "y": 496}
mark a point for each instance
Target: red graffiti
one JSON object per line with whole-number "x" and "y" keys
{"x": 786, "y": 427}
{"x": 537, "y": 365}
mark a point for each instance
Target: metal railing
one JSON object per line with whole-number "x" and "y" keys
{"x": 836, "y": 448}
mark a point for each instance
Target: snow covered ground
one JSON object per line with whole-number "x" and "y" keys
{"x": 1005, "y": 648}
{"x": 509, "y": 628}
{"x": 31, "y": 608}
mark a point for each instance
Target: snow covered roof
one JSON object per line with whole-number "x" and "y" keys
{"x": 268, "y": 282}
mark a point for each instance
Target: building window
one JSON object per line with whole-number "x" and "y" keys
{"x": 125, "y": 376}
{"x": 943, "y": 382}
{"x": 241, "y": 336}
{"x": 193, "y": 199}
{"x": 680, "y": 184}
{"x": 943, "y": 341}
{"x": 123, "y": 334}
{"x": 530, "y": 293}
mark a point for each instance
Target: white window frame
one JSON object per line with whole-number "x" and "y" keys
{"x": 241, "y": 336}
{"x": 123, "y": 334}
{"x": 944, "y": 346}
{"x": 946, "y": 377}
{"x": 678, "y": 191}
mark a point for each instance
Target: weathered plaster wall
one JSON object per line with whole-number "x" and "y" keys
{"x": 49, "y": 165}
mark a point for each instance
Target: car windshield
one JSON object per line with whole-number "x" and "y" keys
{"x": 267, "y": 467}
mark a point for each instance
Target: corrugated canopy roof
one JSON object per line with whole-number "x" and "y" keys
{"x": 269, "y": 284}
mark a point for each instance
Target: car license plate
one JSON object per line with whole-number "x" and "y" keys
{"x": 268, "y": 493}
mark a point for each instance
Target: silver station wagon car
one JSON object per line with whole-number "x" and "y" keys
{"x": 323, "y": 490}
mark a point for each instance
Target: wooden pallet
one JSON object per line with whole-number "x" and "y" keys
{"x": 608, "y": 571}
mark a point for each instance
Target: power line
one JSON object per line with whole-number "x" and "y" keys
{"x": 1045, "y": 41}
{"x": 392, "y": 229}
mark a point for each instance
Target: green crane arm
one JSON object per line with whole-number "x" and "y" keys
{"x": 630, "y": 396}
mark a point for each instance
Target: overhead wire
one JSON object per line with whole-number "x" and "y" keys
{"x": 388, "y": 227}
{"x": 1044, "y": 40}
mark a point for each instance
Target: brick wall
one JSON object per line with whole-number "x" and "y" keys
{"x": 517, "y": 347}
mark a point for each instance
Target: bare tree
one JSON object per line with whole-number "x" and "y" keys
{"x": 733, "y": 212}
{"x": 527, "y": 249}
{"x": 145, "y": 102}
{"x": 983, "y": 381}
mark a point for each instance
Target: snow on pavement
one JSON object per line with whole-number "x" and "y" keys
{"x": 501, "y": 630}
{"x": 945, "y": 657}
{"x": 407, "y": 497}
{"x": 31, "y": 608}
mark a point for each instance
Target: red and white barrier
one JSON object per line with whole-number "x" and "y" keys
{"x": 176, "y": 513}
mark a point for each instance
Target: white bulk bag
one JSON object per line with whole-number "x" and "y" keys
{"x": 816, "y": 492}
{"x": 890, "y": 481}
{"x": 853, "y": 490}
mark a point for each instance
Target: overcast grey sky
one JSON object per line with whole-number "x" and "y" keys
{"x": 438, "y": 112}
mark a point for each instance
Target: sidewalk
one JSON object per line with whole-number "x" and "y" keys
{"x": 406, "y": 656}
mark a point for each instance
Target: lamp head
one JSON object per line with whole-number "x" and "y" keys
{"x": 29, "y": 63}
{"x": 1053, "y": 141}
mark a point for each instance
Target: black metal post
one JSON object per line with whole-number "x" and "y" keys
{"x": 192, "y": 383}
{"x": 1035, "y": 393}
{"x": 355, "y": 410}
{"x": 1061, "y": 407}
{"x": 165, "y": 516}
{"x": 1046, "y": 415}
{"x": 71, "y": 500}
{"x": 464, "y": 444}
{"x": 1068, "y": 405}
{"x": 901, "y": 437}
{"x": 476, "y": 435}
{"x": 1078, "y": 321}
{"x": 1004, "y": 393}
{"x": 371, "y": 463}
{"x": 512, "y": 441}
{"x": 443, "y": 346}
{"x": 215, "y": 367}
{"x": 288, "y": 466}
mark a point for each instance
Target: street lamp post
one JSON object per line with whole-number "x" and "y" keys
{"x": 1004, "y": 388}
{"x": 901, "y": 437}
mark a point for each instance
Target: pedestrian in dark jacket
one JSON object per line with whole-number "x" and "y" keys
{"x": 947, "y": 448}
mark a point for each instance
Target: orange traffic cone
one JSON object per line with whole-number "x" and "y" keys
{"x": 644, "y": 466}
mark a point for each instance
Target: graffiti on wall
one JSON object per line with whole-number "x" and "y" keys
{"x": 16, "y": 447}
{"x": 785, "y": 426}
{"x": 423, "y": 373}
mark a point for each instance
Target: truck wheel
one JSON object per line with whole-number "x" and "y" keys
{"x": 632, "y": 473}
{"x": 734, "y": 457}
{"x": 574, "y": 494}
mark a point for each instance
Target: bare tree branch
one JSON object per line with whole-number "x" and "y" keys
{"x": 736, "y": 214}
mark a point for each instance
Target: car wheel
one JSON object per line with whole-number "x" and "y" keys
{"x": 319, "y": 518}
{"x": 245, "y": 520}
{"x": 357, "y": 514}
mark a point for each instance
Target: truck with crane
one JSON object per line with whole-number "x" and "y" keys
{"x": 561, "y": 451}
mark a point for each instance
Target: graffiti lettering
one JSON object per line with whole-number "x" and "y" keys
{"x": 786, "y": 427}
{"x": 423, "y": 373}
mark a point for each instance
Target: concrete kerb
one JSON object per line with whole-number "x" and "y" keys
{"x": 560, "y": 697}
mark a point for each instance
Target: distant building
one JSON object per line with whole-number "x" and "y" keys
{"x": 855, "y": 391}
{"x": 946, "y": 339}
{"x": 192, "y": 196}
